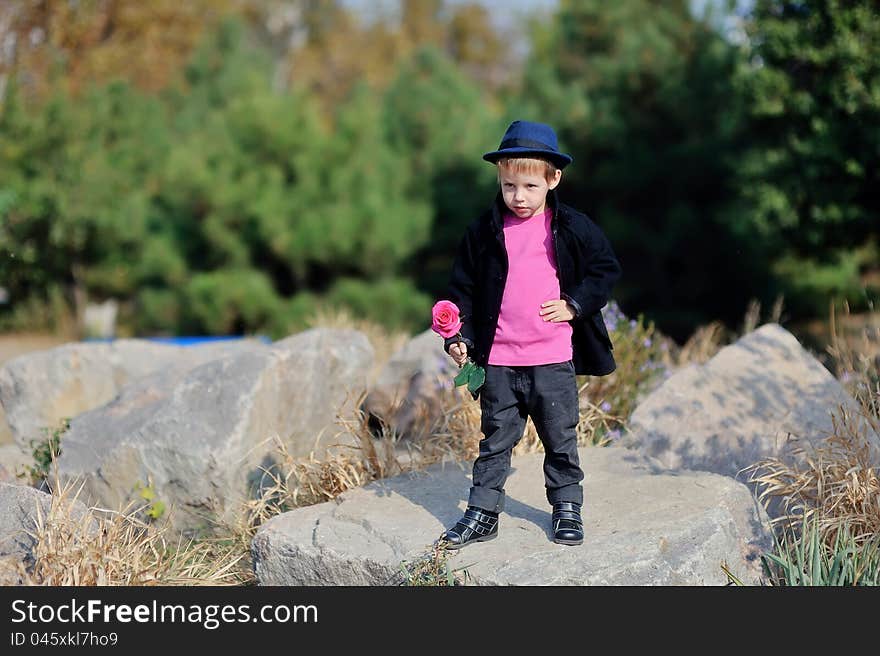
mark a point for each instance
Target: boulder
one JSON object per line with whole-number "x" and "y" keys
{"x": 642, "y": 526}
{"x": 198, "y": 437}
{"x": 743, "y": 405}
{"x": 406, "y": 393}
{"x": 40, "y": 389}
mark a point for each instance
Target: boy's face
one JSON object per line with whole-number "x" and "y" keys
{"x": 525, "y": 194}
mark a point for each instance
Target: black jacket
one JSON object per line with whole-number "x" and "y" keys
{"x": 587, "y": 270}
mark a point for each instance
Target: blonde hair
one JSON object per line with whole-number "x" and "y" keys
{"x": 527, "y": 165}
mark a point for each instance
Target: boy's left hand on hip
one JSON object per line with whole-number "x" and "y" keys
{"x": 556, "y": 310}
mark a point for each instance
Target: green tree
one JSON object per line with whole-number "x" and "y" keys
{"x": 76, "y": 177}
{"x": 813, "y": 167}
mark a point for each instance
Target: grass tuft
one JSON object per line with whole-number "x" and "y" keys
{"x": 434, "y": 569}
{"x": 76, "y": 545}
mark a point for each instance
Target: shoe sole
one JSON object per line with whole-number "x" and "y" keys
{"x": 569, "y": 542}
{"x": 486, "y": 538}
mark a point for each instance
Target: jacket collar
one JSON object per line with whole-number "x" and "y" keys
{"x": 498, "y": 208}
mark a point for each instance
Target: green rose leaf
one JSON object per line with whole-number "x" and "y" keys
{"x": 464, "y": 374}
{"x": 476, "y": 379}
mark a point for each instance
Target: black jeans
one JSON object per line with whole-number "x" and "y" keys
{"x": 547, "y": 393}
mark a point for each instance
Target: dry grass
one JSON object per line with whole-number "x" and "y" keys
{"x": 91, "y": 546}
{"x": 433, "y": 569}
{"x": 832, "y": 484}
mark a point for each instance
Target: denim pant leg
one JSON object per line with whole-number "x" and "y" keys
{"x": 503, "y": 422}
{"x": 554, "y": 409}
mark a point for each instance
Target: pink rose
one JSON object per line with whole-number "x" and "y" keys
{"x": 446, "y": 321}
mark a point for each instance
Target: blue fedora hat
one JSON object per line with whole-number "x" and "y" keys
{"x": 524, "y": 138}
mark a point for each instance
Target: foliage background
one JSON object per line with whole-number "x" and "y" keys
{"x": 233, "y": 166}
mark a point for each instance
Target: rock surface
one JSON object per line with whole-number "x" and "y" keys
{"x": 199, "y": 436}
{"x": 643, "y": 527}
{"x": 740, "y": 407}
{"x": 40, "y": 389}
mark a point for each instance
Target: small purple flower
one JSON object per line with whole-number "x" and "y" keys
{"x": 613, "y": 434}
{"x": 605, "y": 406}
{"x": 632, "y": 323}
{"x": 647, "y": 342}
{"x": 845, "y": 377}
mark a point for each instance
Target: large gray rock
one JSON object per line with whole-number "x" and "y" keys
{"x": 643, "y": 527}
{"x": 406, "y": 393}
{"x": 200, "y": 436}
{"x": 39, "y": 389}
{"x": 740, "y": 407}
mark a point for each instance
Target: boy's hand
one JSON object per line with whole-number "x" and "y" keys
{"x": 557, "y": 310}
{"x": 458, "y": 351}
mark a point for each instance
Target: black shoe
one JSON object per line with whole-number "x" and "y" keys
{"x": 568, "y": 528}
{"x": 477, "y": 525}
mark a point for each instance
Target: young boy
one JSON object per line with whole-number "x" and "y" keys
{"x": 530, "y": 278}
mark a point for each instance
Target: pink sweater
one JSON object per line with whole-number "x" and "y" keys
{"x": 522, "y": 337}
